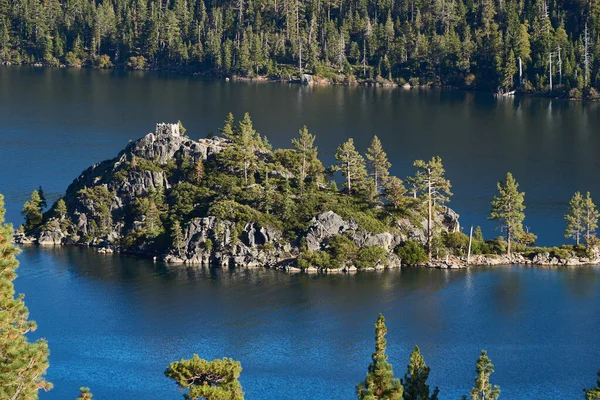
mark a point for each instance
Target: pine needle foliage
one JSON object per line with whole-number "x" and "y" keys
{"x": 23, "y": 364}
{"x": 415, "y": 379}
{"x": 209, "y": 380}
{"x": 483, "y": 389}
{"x": 380, "y": 383}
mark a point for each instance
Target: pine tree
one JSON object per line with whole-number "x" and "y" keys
{"x": 395, "y": 191}
{"x": 182, "y": 129}
{"x": 508, "y": 208}
{"x": 380, "y": 382}
{"x": 246, "y": 145}
{"x": 32, "y": 211}
{"x": 242, "y": 155}
{"x": 415, "y": 379}
{"x": 590, "y": 218}
{"x": 574, "y": 218}
{"x": 430, "y": 180}
{"x": 228, "y": 130}
{"x": 85, "y": 394}
{"x": 478, "y": 234}
{"x": 23, "y": 364}
{"x": 483, "y": 390}
{"x": 593, "y": 393}
{"x": 308, "y": 152}
{"x": 352, "y": 165}
{"x": 199, "y": 171}
{"x": 177, "y": 236}
{"x": 43, "y": 201}
{"x": 152, "y": 221}
{"x": 61, "y": 209}
{"x": 379, "y": 164}
{"x": 209, "y": 380}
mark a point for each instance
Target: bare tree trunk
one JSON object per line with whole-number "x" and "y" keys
{"x": 429, "y": 219}
{"x": 550, "y": 65}
{"x": 348, "y": 177}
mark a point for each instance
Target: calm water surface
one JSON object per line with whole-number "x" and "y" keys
{"x": 114, "y": 323}
{"x": 54, "y": 123}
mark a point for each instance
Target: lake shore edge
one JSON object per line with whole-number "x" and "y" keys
{"x": 316, "y": 80}
{"x": 288, "y": 264}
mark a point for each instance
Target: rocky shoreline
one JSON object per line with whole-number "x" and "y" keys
{"x": 220, "y": 260}
{"x": 103, "y": 207}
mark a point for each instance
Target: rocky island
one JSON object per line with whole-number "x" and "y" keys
{"x": 234, "y": 201}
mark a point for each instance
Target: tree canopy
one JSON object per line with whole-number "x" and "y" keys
{"x": 209, "y": 380}
{"x": 380, "y": 382}
{"x": 23, "y": 364}
{"x": 485, "y": 45}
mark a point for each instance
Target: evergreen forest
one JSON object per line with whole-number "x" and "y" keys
{"x": 547, "y": 47}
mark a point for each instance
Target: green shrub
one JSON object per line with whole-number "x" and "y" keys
{"x": 412, "y": 252}
{"x": 370, "y": 256}
{"x": 142, "y": 164}
{"x": 103, "y": 61}
{"x": 496, "y": 246}
{"x": 137, "y": 63}
{"x": 341, "y": 249}
{"x": 457, "y": 242}
{"x": 318, "y": 258}
{"x": 480, "y": 247}
{"x": 560, "y": 253}
{"x": 72, "y": 60}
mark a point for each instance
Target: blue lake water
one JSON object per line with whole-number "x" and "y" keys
{"x": 114, "y": 323}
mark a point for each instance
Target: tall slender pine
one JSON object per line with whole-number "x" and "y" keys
{"x": 380, "y": 382}
{"x": 23, "y": 364}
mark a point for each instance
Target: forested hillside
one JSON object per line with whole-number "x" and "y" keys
{"x": 462, "y": 43}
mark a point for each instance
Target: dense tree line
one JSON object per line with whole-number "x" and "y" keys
{"x": 537, "y": 45}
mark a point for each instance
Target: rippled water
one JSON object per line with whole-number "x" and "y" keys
{"x": 114, "y": 323}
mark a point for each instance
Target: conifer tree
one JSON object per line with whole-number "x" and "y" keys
{"x": 478, "y": 234}
{"x": 246, "y": 145}
{"x": 590, "y": 218}
{"x": 415, "y": 379}
{"x": 23, "y": 364}
{"x": 199, "y": 171}
{"x": 395, "y": 191}
{"x": 593, "y": 393}
{"x": 61, "y": 209}
{"x": 574, "y": 218}
{"x": 380, "y": 382}
{"x": 308, "y": 152}
{"x": 431, "y": 181}
{"x": 85, "y": 394}
{"x": 32, "y": 211}
{"x": 182, "y": 129}
{"x": 508, "y": 208}
{"x": 209, "y": 380}
{"x": 176, "y": 236}
{"x": 352, "y": 165}
{"x": 242, "y": 155}
{"x": 483, "y": 389}
{"x": 379, "y": 164}
{"x": 228, "y": 131}
{"x": 43, "y": 201}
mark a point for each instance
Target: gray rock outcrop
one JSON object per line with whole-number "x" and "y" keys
{"x": 125, "y": 185}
